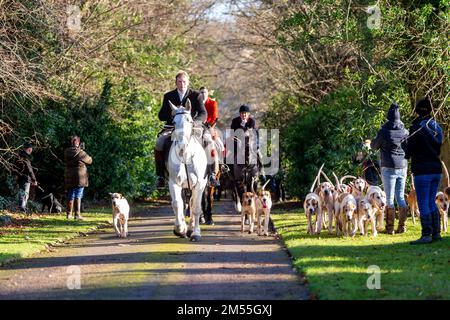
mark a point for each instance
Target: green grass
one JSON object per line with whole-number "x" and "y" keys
{"x": 336, "y": 267}
{"x": 31, "y": 235}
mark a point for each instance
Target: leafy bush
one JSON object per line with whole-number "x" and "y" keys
{"x": 329, "y": 133}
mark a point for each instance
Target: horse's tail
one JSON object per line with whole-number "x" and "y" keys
{"x": 252, "y": 182}
{"x": 237, "y": 204}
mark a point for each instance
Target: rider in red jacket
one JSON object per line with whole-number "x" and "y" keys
{"x": 211, "y": 120}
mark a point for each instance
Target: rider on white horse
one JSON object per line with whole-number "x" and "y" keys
{"x": 177, "y": 97}
{"x": 187, "y": 170}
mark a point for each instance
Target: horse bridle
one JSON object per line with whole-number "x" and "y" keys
{"x": 185, "y": 164}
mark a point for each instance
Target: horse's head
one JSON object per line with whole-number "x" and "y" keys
{"x": 183, "y": 122}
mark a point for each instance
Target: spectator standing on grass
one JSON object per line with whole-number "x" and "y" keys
{"x": 75, "y": 175}
{"x": 24, "y": 175}
{"x": 423, "y": 147}
{"x": 394, "y": 167}
{"x": 369, "y": 162}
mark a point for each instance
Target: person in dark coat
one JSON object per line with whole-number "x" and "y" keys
{"x": 24, "y": 174}
{"x": 394, "y": 167}
{"x": 178, "y": 97}
{"x": 369, "y": 162}
{"x": 75, "y": 176}
{"x": 423, "y": 147}
{"x": 245, "y": 149}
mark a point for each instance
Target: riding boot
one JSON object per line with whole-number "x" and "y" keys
{"x": 78, "y": 209}
{"x": 159, "y": 166}
{"x": 436, "y": 225}
{"x": 390, "y": 219}
{"x": 427, "y": 230}
{"x": 208, "y": 217}
{"x": 402, "y": 212}
{"x": 210, "y": 221}
{"x": 69, "y": 209}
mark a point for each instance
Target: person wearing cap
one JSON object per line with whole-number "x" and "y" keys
{"x": 177, "y": 97}
{"x": 248, "y": 124}
{"x": 75, "y": 175}
{"x": 394, "y": 167}
{"x": 423, "y": 147}
{"x": 24, "y": 174}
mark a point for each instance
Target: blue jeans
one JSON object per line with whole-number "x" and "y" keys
{"x": 75, "y": 193}
{"x": 24, "y": 193}
{"x": 427, "y": 186}
{"x": 394, "y": 181}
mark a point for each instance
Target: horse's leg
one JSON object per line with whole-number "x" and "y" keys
{"x": 194, "y": 224}
{"x": 204, "y": 206}
{"x": 178, "y": 207}
{"x": 193, "y": 215}
{"x": 209, "y": 204}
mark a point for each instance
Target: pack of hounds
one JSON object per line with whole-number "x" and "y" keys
{"x": 357, "y": 205}
{"x": 349, "y": 207}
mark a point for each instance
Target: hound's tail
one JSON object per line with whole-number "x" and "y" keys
{"x": 265, "y": 184}
{"x": 447, "y": 178}
{"x": 338, "y": 185}
{"x": 412, "y": 182}
{"x": 328, "y": 179}
{"x": 346, "y": 177}
{"x": 317, "y": 178}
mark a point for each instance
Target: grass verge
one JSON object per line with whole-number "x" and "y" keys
{"x": 28, "y": 235}
{"x": 337, "y": 267}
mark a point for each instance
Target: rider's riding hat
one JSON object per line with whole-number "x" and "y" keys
{"x": 244, "y": 108}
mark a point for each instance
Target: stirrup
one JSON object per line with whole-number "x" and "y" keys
{"x": 160, "y": 183}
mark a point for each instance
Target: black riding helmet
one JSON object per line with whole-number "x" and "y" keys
{"x": 244, "y": 108}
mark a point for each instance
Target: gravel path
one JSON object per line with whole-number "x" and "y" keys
{"x": 153, "y": 264}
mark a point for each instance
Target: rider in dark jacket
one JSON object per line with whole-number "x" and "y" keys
{"x": 178, "y": 97}
{"x": 248, "y": 125}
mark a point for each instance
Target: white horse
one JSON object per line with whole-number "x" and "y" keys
{"x": 187, "y": 160}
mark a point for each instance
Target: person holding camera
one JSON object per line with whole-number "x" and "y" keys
{"x": 75, "y": 175}
{"x": 369, "y": 162}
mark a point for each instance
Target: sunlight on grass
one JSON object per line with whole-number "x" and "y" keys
{"x": 336, "y": 267}
{"x": 30, "y": 235}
